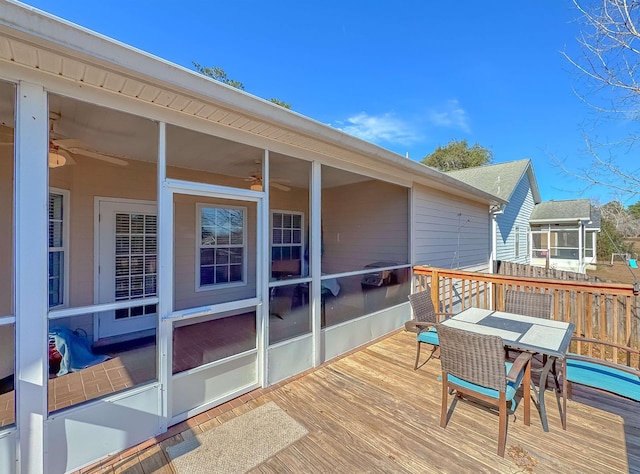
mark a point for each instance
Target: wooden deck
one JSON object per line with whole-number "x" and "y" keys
{"x": 369, "y": 411}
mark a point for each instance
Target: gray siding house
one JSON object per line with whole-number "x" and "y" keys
{"x": 516, "y": 183}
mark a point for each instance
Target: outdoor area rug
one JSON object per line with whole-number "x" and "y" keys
{"x": 239, "y": 444}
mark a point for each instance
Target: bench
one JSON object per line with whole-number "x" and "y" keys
{"x": 621, "y": 379}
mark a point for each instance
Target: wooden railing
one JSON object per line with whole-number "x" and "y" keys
{"x": 605, "y": 311}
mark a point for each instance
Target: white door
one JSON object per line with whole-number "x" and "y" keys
{"x": 127, "y": 264}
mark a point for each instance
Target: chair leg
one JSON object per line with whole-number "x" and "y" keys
{"x": 415, "y": 367}
{"x": 565, "y": 388}
{"x": 502, "y": 434}
{"x": 443, "y": 407}
{"x": 526, "y": 394}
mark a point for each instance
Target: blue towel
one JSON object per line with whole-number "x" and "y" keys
{"x": 75, "y": 350}
{"x": 633, "y": 263}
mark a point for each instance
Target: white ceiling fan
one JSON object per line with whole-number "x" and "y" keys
{"x": 256, "y": 180}
{"x": 61, "y": 148}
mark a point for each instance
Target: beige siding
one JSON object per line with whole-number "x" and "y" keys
{"x": 6, "y": 230}
{"x": 186, "y": 233}
{"x": 449, "y": 231}
{"x": 364, "y": 223}
{"x": 86, "y": 180}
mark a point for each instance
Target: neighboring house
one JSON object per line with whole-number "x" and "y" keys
{"x": 516, "y": 183}
{"x": 563, "y": 235}
{"x": 208, "y": 241}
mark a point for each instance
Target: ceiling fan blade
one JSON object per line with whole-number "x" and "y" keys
{"x": 69, "y": 143}
{"x": 279, "y": 186}
{"x": 98, "y": 156}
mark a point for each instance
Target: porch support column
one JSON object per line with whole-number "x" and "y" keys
{"x": 316, "y": 257}
{"x": 31, "y": 274}
{"x": 263, "y": 272}
{"x": 165, "y": 279}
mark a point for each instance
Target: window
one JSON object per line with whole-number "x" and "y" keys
{"x": 286, "y": 243}
{"x": 588, "y": 244}
{"x": 221, "y": 246}
{"x": 517, "y": 243}
{"x": 58, "y": 246}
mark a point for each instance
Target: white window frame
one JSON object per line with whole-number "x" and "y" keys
{"x": 302, "y": 241}
{"x": 66, "y": 196}
{"x": 215, "y": 286}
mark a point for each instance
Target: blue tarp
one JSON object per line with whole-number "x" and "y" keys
{"x": 75, "y": 350}
{"x": 633, "y": 263}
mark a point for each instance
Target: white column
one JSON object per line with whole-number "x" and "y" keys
{"x": 263, "y": 269}
{"x": 165, "y": 278}
{"x": 31, "y": 274}
{"x": 316, "y": 257}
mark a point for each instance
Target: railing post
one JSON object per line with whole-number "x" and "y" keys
{"x": 435, "y": 290}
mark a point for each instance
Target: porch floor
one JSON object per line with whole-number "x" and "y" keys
{"x": 369, "y": 411}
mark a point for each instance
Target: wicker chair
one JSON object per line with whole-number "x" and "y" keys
{"x": 474, "y": 364}
{"x": 424, "y": 323}
{"x": 536, "y": 305}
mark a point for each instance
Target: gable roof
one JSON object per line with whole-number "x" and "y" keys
{"x": 596, "y": 220}
{"x": 561, "y": 211}
{"x": 500, "y": 179}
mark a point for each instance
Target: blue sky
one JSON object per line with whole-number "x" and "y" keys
{"x": 406, "y": 75}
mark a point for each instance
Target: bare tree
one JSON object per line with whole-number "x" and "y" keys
{"x": 609, "y": 64}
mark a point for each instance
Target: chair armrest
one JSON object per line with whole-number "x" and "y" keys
{"x": 417, "y": 326}
{"x": 520, "y": 363}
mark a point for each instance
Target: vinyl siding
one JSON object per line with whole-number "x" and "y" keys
{"x": 6, "y": 230}
{"x": 449, "y": 231}
{"x": 516, "y": 214}
{"x": 364, "y": 223}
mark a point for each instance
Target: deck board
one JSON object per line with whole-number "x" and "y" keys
{"x": 371, "y": 412}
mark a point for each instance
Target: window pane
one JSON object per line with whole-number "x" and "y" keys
{"x": 55, "y": 234}
{"x": 122, "y": 223}
{"x": 56, "y": 278}
{"x": 151, "y": 224}
{"x": 222, "y": 274}
{"x": 122, "y": 244}
{"x": 206, "y": 276}
{"x": 223, "y": 232}
{"x": 55, "y": 206}
{"x": 235, "y": 273}
{"x": 222, "y": 256}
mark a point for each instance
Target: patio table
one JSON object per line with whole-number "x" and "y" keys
{"x": 524, "y": 333}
